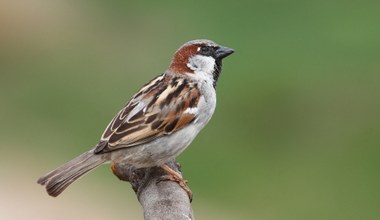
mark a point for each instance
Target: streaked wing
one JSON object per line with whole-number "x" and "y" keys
{"x": 164, "y": 105}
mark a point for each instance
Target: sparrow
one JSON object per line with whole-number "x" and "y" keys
{"x": 160, "y": 120}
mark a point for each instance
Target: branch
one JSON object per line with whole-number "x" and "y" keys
{"x": 159, "y": 199}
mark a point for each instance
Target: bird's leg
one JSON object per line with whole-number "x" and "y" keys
{"x": 114, "y": 170}
{"x": 176, "y": 177}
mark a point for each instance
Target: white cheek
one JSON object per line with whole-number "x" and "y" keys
{"x": 202, "y": 64}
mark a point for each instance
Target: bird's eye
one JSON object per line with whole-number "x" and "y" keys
{"x": 205, "y": 50}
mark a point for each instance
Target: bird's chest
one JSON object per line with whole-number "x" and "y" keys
{"x": 207, "y": 103}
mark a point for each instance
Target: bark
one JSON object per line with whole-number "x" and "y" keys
{"x": 160, "y": 199}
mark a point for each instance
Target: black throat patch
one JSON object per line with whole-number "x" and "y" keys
{"x": 217, "y": 71}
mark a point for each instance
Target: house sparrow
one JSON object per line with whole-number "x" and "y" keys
{"x": 160, "y": 120}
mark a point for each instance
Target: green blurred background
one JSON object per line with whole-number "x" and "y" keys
{"x": 296, "y": 130}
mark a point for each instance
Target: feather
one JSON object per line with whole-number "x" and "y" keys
{"x": 160, "y": 108}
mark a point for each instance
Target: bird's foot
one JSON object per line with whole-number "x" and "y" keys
{"x": 176, "y": 177}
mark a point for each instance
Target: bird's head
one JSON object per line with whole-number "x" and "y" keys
{"x": 200, "y": 57}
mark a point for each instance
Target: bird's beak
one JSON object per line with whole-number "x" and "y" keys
{"x": 223, "y": 52}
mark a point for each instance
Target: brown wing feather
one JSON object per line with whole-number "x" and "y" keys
{"x": 164, "y": 102}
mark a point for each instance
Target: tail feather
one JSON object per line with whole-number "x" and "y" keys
{"x": 59, "y": 179}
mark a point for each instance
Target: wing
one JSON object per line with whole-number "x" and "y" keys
{"x": 163, "y": 106}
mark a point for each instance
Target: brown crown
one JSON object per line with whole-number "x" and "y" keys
{"x": 181, "y": 57}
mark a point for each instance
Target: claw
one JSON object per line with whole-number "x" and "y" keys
{"x": 176, "y": 177}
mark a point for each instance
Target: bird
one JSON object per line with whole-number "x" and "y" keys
{"x": 159, "y": 122}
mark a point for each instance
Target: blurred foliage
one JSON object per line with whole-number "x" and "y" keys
{"x": 296, "y": 130}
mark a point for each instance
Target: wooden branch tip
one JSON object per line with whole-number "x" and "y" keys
{"x": 159, "y": 199}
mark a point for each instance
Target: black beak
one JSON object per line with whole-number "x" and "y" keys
{"x": 223, "y": 52}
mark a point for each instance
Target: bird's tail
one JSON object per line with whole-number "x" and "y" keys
{"x": 59, "y": 179}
